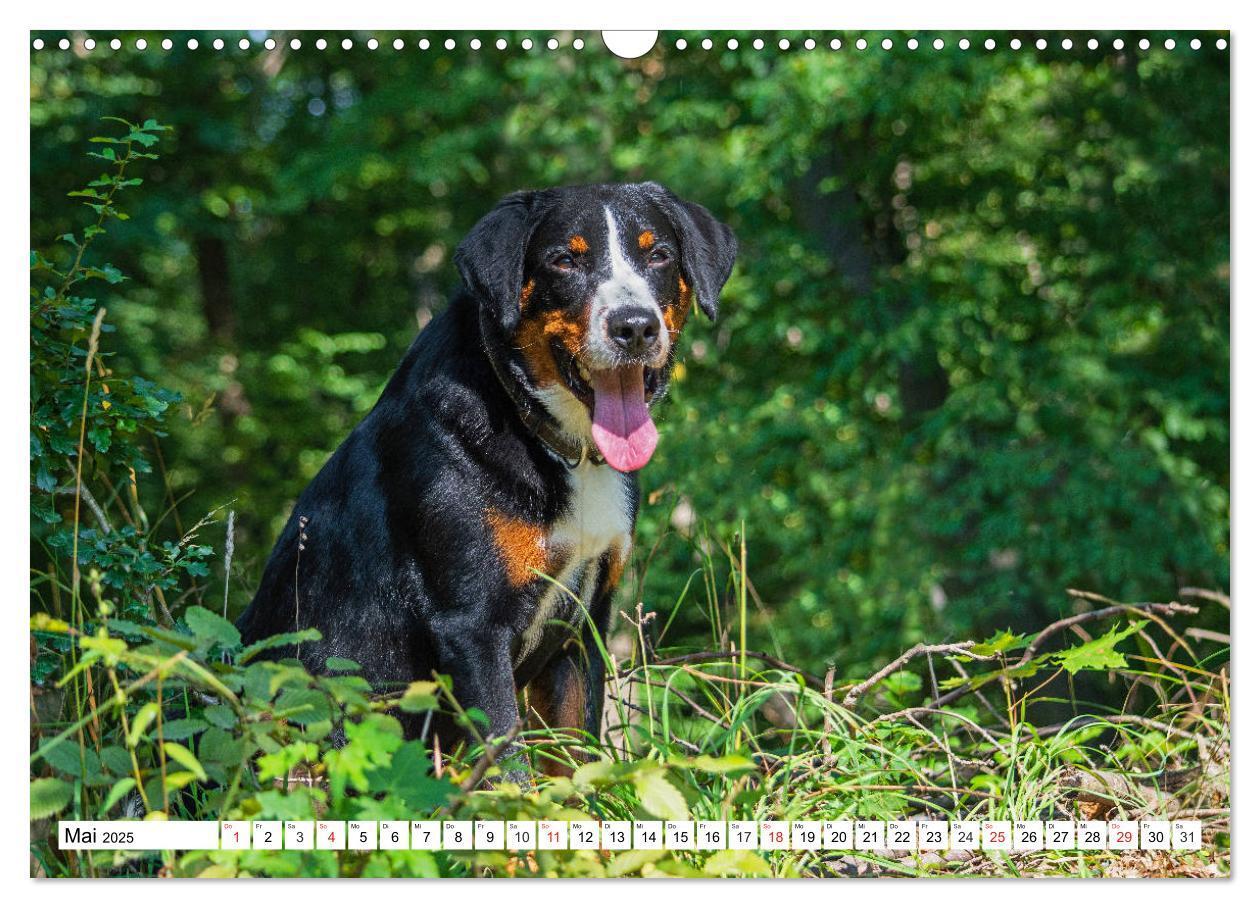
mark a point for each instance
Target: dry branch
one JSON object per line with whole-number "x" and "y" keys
{"x": 1159, "y": 608}
{"x": 1195, "y": 592}
{"x": 919, "y": 649}
{"x": 488, "y": 757}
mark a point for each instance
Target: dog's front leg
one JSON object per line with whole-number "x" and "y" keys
{"x": 569, "y": 692}
{"x": 478, "y": 660}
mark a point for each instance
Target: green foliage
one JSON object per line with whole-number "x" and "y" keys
{"x": 198, "y": 731}
{"x": 1100, "y": 653}
{"x": 91, "y": 424}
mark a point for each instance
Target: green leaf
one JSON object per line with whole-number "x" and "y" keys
{"x": 184, "y": 757}
{"x": 1001, "y": 642}
{"x": 338, "y": 664}
{"x": 45, "y": 481}
{"x": 142, "y": 137}
{"x": 101, "y": 437}
{"x": 420, "y": 696}
{"x": 901, "y": 683}
{"x": 220, "y": 715}
{"x": 277, "y": 641}
{"x": 302, "y": 706}
{"x": 279, "y": 764}
{"x": 65, "y": 758}
{"x": 728, "y": 763}
{"x": 208, "y": 627}
{"x": 736, "y": 863}
{"x": 116, "y": 793}
{"x": 116, "y": 760}
{"x": 594, "y": 774}
{"x": 177, "y": 780}
{"x": 217, "y": 746}
{"x": 659, "y": 796}
{"x": 144, "y": 717}
{"x": 409, "y": 778}
{"x": 627, "y": 862}
{"x": 49, "y": 796}
{"x": 180, "y": 729}
{"x": 1100, "y": 653}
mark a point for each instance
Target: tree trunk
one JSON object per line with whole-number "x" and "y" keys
{"x": 216, "y": 287}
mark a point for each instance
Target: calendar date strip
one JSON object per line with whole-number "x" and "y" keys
{"x": 858, "y": 836}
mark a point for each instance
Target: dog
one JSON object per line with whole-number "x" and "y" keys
{"x": 476, "y": 523}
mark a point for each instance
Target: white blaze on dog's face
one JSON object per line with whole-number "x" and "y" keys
{"x": 605, "y": 290}
{"x": 625, "y": 336}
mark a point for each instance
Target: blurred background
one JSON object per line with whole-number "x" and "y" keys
{"x": 975, "y": 351}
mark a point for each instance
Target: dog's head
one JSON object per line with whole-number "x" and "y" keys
{"x": 588, "y": 288}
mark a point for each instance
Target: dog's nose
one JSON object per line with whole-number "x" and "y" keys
{"x": 634, "y": 330}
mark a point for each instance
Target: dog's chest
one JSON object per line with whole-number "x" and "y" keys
{"x": 598, "y": 515}
{"x": 596, "y": 522}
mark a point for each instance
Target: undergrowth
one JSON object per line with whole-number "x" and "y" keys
{"x": 146, "y": 703}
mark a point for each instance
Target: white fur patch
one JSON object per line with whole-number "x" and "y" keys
{"x": 598, "y": 519}
{"x": 599, "y": 513}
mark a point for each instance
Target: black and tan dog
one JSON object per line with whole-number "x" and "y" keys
{"x": 504, "y": 448}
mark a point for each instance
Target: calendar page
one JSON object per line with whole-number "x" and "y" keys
{"x": 546, "y": 452}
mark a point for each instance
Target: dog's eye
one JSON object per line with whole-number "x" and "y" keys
{"x": 660, "y": 256}
{"x": 564, "y": 262}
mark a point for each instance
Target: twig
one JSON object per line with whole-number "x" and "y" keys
{"x": 919, "y": 649}
{"x": 91, "y": 502}
{"x": 297, "y": 580}
{"x": 1162, "y": 608}
{"x": 229, "y": 546}
{"x": 1165, "y": 608}
{"x": 1168, "y": 663}
{"x": 984, "y": 701}
{"x": 1211, "y": 595}
{"x": 699, "y": 710}
{"x": 772, "y": 661}
{"x": 674, "y": 739}
{"x": 1201, "y": 633}
{"x": 488, "y": 756}
{"x": 829, "y": 683}
{"x": 1122, "y": 719}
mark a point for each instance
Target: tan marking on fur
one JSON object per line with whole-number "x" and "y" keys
{"x": 534, "y": 337}
{"x": 676, "y": 312}
{"x": 577, "y": 244}
{"x": 616, "y": 567}
{"x": 522, "y": 545}
{"x": 526, "y": 293}
{"x": 646, "y": 239}
{"x": 564, "y": 708}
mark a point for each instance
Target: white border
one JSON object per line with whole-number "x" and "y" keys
{"x": 501, "y": 15}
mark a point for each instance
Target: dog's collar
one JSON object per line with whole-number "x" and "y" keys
{"x": 540, "y": 424}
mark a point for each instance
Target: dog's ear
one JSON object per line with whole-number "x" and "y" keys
{"x": 708, "y": 247}
{"x": 491, "y": 259}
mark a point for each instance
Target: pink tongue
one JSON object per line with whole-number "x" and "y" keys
{"x": 623, "y": 430}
